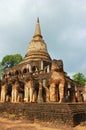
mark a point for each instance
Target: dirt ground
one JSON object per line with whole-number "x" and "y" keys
{"x": 6, "y": 124}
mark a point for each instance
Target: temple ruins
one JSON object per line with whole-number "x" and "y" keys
{"x": 39, "y": 78}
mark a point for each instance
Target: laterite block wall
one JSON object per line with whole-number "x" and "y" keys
{"x": 68, "y": 113}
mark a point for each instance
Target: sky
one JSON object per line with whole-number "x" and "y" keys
{"x": 63, "y": 27}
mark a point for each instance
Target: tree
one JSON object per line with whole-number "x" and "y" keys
{"x": 11, "y": 60}
{"x": 17, "y": 59}
{"x": 1, "y": 70}
{"x": 80, "y": 78}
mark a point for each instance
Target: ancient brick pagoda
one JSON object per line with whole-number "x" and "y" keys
{"x": 36, "y": 59}
{"x": 38, "y": 78}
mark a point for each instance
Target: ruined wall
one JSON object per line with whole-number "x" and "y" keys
{"x": 71, "y": 114}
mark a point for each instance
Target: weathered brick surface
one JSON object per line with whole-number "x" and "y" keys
{"x": 67, "y": 113}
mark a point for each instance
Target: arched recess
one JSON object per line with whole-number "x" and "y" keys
{"x": 24, "y": 70}
{"x": 16, "y": 72}
{"x": 35, "y": 69}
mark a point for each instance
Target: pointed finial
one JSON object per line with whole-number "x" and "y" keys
{"x": 37, "y": 19}
{"x": 37, "y": 30}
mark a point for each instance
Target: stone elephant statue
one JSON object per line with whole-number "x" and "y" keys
{"x": 14, "y": 93}
{"x": 30, "y": 89}
{"x": 57, "y": 81}
{"x": 17, "y": 92}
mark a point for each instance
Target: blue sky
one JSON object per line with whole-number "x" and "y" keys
{"x": 63, "y": 26}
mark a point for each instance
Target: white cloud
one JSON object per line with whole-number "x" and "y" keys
{"x": 10, "y": 11}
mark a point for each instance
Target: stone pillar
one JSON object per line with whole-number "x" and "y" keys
{"x": 41, "y": 65}
{"x": 31, "y": 94}
{"x": 30, "y": 68}
{"x": 61, "y": 92}
{"x": 3, "y": 92}
{"x": 48, "y": 69}
{"x": 15, "y": 95}
{"x": 35, "y": 96}
{"x": 53, "y": 94}
{"x": 40, "y": 96}
{"x": 26, "y": 93}
{"x": 47, "y": 90}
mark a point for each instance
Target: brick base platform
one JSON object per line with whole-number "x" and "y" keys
{"x": 67, "y": 113}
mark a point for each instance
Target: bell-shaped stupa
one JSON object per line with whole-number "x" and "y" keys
{"x": 37, "y": 49}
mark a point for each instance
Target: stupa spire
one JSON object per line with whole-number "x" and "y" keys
{"x": 37, "y": 49}
{"x": 37, "y": 29}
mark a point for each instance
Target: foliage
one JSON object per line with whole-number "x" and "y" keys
{"x": 1, "y": 70}
{"x": 11, "y": 60}
{"x": 80, "y": 78}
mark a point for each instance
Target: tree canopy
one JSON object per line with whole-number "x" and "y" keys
{"x": 11, "y": 60}
{"x": 79, "y": 77}
{"x": 1, "y": 70}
